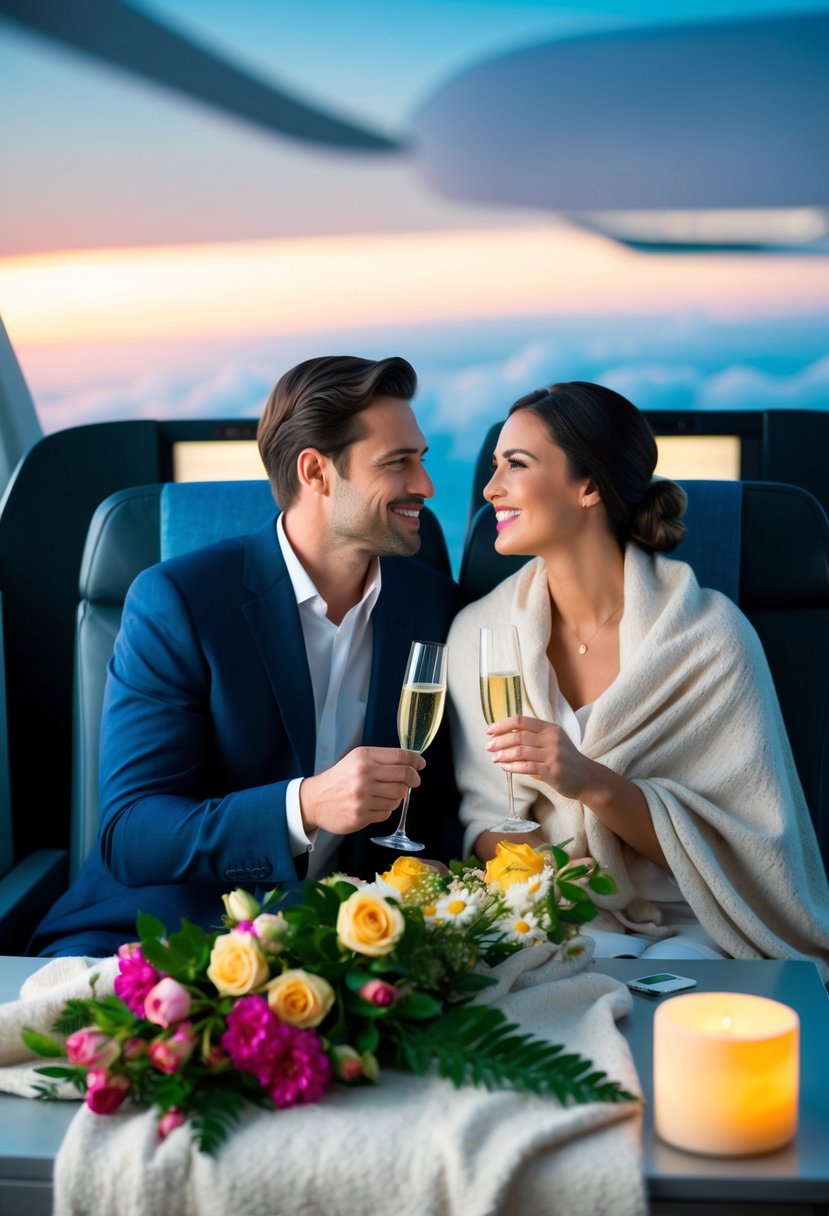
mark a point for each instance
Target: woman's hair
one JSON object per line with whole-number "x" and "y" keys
{"x": 317, "y": 404}
{"x": 606, "y": 438}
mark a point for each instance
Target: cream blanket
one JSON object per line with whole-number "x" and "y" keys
{"x": 693, "y": 720}
{"x": 412, "y": 1146}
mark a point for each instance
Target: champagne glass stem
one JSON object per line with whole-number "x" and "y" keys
{"x": 400, "y": 830}
{"x": 510, "y": 798}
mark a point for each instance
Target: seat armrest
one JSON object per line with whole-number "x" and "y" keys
{"x": 26, "y": 894}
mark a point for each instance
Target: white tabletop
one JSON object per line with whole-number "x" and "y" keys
{"x": 31, "y": 1131}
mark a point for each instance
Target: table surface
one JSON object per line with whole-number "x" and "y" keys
{"x": 31, "y": 1131}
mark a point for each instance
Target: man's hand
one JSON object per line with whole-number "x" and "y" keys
{"x": 363, "y": 788}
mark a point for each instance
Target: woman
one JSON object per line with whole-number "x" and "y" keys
{"x": 653, "y": 740}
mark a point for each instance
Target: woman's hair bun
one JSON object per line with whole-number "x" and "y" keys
{"x": 656, "y": 521}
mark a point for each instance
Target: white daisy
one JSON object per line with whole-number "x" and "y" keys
{"x": 523, "y": 927}
{"x": 457, "y": 907}
{"x": 521, "y": 896}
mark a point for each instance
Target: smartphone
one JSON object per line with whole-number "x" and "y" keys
{"x": 660, "y": 983}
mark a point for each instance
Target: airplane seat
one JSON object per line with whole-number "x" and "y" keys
{"x": 766, "y": 546}
{"x": 130, "y": 530}
{"x": 25, "y": 884}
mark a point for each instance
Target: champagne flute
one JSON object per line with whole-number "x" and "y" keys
{"x": 502, "y": 696}
{"x": 419, "y": 712}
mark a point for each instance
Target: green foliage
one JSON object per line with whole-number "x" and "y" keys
{"x": 75, "y": 1015}
{"x": 216, "y": 1112}
{"x": 477, "y": 1045}
{"x": 40, "y": 1044}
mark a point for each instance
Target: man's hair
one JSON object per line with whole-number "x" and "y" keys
{"x": 317, "y": 404}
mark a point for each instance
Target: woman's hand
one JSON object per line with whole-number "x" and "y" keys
{"x": 539, "y": 749}
{"x": 543, "y": 750}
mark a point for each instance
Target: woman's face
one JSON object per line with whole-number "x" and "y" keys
{"x": 537, "y": 504}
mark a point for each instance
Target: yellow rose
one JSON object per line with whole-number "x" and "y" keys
{"x": 369, "y": 924}
{"x": 406, "y": 873}
{"x": 237, "y": 964}
{"x": 300, "y": 999}
{"x": 513, "y": 863}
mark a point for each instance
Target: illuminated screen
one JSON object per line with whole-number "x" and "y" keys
{"x": 699, "y": 457}
{"x": 217, "y": 460}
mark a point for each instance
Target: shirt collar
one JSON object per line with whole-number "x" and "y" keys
{"x": 303, "y": 585}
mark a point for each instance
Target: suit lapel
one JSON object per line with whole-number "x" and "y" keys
{"x": 273, "y": 618}
{"x": 392, "y": 635}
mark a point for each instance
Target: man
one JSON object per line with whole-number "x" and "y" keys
{"x": 249, "y": 728}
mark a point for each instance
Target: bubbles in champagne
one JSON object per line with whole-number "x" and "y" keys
{"x": 419, "y": 714}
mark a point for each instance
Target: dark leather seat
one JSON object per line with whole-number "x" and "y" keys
{"x": 131, "y": 530}
{"x": 766, "y": 545}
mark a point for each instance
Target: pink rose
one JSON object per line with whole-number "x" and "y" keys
{"x": 91, "y": 1048}
{"x": 169, "y": 1121}
{"x": 105, "y": 1091}
{"x": 167, "y": 1003}
{"x": 133, "y": 1049}
{"x": 378, "y": 992}
{"x": 170, "y": 1055}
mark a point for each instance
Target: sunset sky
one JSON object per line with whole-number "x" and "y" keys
{"x": 158, "y": 258}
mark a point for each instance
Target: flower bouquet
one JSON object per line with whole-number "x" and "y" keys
{"x": 278, "y": 1004}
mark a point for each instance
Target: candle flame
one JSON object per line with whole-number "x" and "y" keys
{"x": 727, "y": 1025}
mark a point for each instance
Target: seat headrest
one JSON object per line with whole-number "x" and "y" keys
{"x": 785, "y": 542}
{"x": 197, "y": 513}
{"x": 123, "y": 539}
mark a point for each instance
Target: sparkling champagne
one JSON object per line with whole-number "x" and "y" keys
{"x": 501, "y": 695}
{"x": 419, "y": 714}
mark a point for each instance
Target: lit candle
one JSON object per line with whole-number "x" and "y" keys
{"x": 725, "y": 1073}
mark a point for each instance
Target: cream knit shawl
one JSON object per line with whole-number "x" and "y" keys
{"x": 693, "y": 720}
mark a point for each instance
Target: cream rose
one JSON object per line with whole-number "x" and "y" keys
{"x": 369, "y": 924}
{"x": 300, "y": 999}
{"x": 513, "y": 863}
{"x": 237, "y": 964}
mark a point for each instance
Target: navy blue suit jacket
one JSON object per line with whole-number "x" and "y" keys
{"x": 208, "y": 714}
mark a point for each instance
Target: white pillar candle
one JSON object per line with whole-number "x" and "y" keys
{"x": 725, "y": 1073}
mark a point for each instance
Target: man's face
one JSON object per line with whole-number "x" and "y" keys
{"x": 376, "y": 501}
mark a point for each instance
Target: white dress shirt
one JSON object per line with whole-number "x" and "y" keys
{"x": 339, "y": 660}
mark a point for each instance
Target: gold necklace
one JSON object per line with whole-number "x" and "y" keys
{"x": 583, "y": 646}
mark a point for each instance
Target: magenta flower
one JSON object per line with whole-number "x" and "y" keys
{"x": 378, "y": 992}
{"x": 170, "y": 1055}
{"x": 169, "y": 1121}
{"x": 105, "y": 1091}
{"x": 167, "y": 1002}
{"x": 135, "y": 977}
{"x": 290, "y": 1064}
{"x": 91, "y": 1048}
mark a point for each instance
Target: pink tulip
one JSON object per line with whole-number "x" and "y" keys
{"x": 91, "y": 1048}
{"x": 169, "y": 1121}
{"x": 167, "y": 1003}
{"x": 105, "y": 1091}
{"x": 170, "y": 1055}
{"x": 378, "y": 992}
